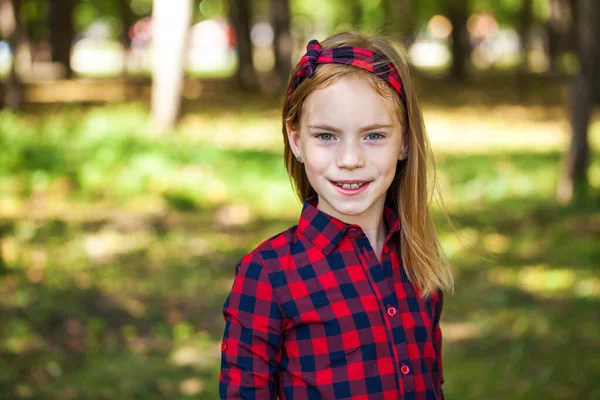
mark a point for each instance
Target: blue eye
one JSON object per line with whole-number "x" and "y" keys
{"x": 325, "y": 136}
{"x": 375, "y": 136}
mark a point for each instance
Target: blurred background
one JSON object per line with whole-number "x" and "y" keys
{"x": 141, "y": 157}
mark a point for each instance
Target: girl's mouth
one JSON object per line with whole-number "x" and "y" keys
{"x": 350, "y": 189}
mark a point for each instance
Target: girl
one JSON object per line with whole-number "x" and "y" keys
{"x": 347, "y": 303}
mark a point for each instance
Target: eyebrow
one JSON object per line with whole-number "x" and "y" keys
{"x": 364, "y": 128}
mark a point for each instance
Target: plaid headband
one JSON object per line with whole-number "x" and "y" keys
{"x": 356, "y": 56}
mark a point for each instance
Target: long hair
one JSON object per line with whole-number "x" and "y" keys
{"x": 410, "y": 192}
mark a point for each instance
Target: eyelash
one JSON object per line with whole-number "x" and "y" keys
{"x": 320, "y": 136}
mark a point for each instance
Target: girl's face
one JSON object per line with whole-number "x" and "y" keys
{"x": 349, "y": 141}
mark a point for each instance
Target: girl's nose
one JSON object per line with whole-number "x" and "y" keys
{"x": 350, "y": 156}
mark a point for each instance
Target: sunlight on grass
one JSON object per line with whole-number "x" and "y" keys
{"x": 457, "y": 331}
{"x": 191, "y": 386}
{"x": 496, "y": 242}
{"x": 235, "y": 131}
{"x": 197, "y": 351}
{"x": 548, "y": 282}
{"x": 476, "y": 130}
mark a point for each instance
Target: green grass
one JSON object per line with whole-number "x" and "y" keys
{"x": 119, "y": 249}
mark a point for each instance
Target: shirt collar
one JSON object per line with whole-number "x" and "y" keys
{"x": 325, "y": 231}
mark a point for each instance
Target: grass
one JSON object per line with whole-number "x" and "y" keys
{"x": 119, "y": 247}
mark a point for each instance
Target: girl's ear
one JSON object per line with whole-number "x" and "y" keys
{"x": 403, "y": 149}
{"x": 294, "y": 139}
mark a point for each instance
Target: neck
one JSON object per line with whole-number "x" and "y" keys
{"x": 371, "y": 221}
{"x": 377, "y": 237}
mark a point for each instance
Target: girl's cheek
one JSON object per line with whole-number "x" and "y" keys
{"x": 317, "y": 156}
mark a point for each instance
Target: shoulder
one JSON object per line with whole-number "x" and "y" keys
{"x": 274, "y": 252}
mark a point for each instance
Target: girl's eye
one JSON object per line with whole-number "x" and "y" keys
{"x": 325, "y": 136}
{"x": 374, "y": 136}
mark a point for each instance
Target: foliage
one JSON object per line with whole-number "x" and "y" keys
{"x": 98, "y": 159}
{"x": 307, "y": 15}
{"x": 120, "y": 247}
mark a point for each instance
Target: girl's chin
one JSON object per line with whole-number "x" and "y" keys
{"x": 348, "y": 207}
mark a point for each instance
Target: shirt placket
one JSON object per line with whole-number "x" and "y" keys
{"x": 381, "y": 281}
{"x": 402, "y": 337}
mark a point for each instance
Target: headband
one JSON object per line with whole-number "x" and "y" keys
{"x": 356, "y": 56}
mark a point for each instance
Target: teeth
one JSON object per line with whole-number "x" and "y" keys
{"x": 350, "y": 185}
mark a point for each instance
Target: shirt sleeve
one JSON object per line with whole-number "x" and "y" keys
{"x": 252, "y": 338}
{"x": 437, "y": 374}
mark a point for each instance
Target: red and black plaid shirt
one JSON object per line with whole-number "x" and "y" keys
{"x": 312, "y": 314}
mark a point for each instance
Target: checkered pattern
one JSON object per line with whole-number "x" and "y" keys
{"x": 312, "y": 314}
{"x": 361, "y": 58}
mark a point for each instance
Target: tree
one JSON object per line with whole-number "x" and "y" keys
{"x": 461, "y": 48}
{"x": 4, "y": 230}
{"x": 406, "y": 18}
{"x": 574, "y": 182}
{"x": 240, "y": 14}
{"x": 282, "y": 41}
{"x": 13, "y": 30}
{"x": 524, "y": 28}
{"x": 525, "y": 22}
{"x": 170, "y": 26}
{"x": 62, "y": 32}
{"x": 559, "y": 30}
{"x": 127, "y": 19}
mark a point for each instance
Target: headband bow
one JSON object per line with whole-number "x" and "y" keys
{"x": 361, "y": 58}
{"x": 308, "y": 62}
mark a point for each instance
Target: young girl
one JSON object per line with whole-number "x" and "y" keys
{"x": 346, "y": 304}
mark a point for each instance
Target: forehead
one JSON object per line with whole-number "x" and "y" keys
{"x": 349, "y": 101}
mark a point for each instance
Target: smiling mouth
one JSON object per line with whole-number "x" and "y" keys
{"x": 353, "y": 185}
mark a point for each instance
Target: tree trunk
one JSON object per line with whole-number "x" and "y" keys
{"x": 406, "y": 18}
{"x": 171, "y": 21}
{"x": 558, "y": 30}
{"x": 240, "y": 13}
{"x": 13, "y": 30}
{"x": 62, "y": 32}
{"x": 458, "y": 14}
{"x": 525, "y": 23}
{"x": 574, "y": 182}
{"x": 127, "y": 19}
{"x": 3, "y": 266}
{"x": 4, "y": 230}
{"x": 282, "y": 43}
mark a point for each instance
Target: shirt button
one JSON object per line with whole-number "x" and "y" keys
{"x": 391, "y": 311}
{"x": 223, "y": 346}
{"x": 366, "y": 253}
{"x": 386, "y": 249}
{"x": 404, "y": 369}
